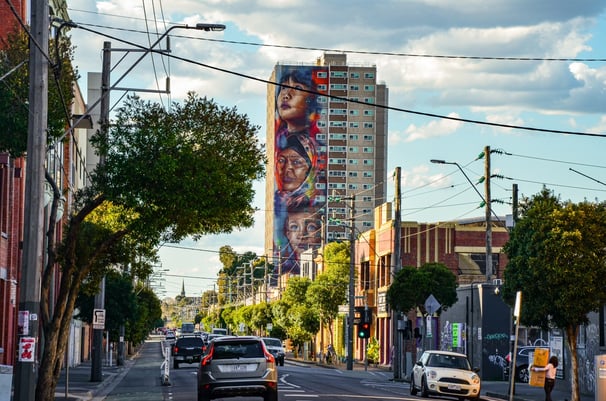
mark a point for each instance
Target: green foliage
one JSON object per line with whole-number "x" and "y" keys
{"x": 557, "y": 254}
{"x": 412, "y": 286}
{"x": 372, "y": 350}
{"x": 14, "y": 91}
{"x": 184, "y": 171}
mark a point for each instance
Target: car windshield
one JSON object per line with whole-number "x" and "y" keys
{"x": 234, "y": 350}
{"x": 272, "y": 343}
{"x": 448, "y": 361}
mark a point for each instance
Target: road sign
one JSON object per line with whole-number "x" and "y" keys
{"x": 432, "y": 305}
{"x": 99, "y": 319}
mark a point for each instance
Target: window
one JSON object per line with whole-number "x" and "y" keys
{"x": 367, "y": 149}
{"x": 352, "y": 186}
{"x": 367, "y": 186}
{"x": 353, "y": 137}
{"x": 369, "y": 88}
{"x": 336, "y": 186}
{"x": 354, "y": 75}
{"x": 367, "y": 224}
{"x": 354, "y": 112}
{"x": 322, "y": 99}
{"x": 338, "y": 112}
{"x": 353, "y": 149}
{"x": 321, "y": 137}
{"x": 353, "y": 174}
{"x": 369, "y": 112}
{"x": 338, "y": 137}
{"x": 337, "y": 149}
{"x": 353, "y": 161}
{"x": 322, "y": 74}
{"x": 354, "y": 87}
{"x": 368, "y": 137}
{"x": 338, "y": 87}
{"x": 370, "y": 100}
{"x": 366, "y": 211}
{"x": 322, "y": 87}
{"x": 354, "y": 99}
{"x": 368, "y": 174}
{"x": 367, "y": 199}
{"x": 338, "y": 174}
{"x": 354, "y": 125}
{"x": 337, "y": 161}
{"x": 338, "y": 74}
{"x": 369, "y": 125}
{"x": 368, "y": 162}
{"x": 338, "y": 124}
{"x": 369, "y": 75}
{"x": 321, "y": 124}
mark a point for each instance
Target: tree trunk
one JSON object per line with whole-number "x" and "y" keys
{"x": 571, "y": 339}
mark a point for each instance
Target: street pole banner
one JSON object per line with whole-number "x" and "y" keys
{"x": 27, "y": 349}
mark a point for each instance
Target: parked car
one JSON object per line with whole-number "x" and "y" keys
{"x": 237, "y": 366}
{"x": 169, "y": 337}
{"x": 187, "y": 349}
{"x": 445, "y": 373}
{"x": 274, "y": 345}
{"x": 523, "y": 362}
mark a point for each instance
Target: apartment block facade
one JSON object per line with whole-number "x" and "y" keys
{"x": 327, "y": 150}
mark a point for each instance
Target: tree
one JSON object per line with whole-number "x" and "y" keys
{"x": 187, "y": 171}
{"x": 329, "y": 290}
{"x": 557, "y": 255}
{"x": 14, "y": 50}
{"x": 411, "y": 287}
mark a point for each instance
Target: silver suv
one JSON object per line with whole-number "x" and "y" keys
{"x": 235, "y": 367}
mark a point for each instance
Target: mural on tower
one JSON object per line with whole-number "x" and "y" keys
{"x": 300, "y": 163}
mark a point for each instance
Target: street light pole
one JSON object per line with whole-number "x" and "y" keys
{"x": 486, "y": 201}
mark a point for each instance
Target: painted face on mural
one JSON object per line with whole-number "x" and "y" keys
{"x": 303, "y": 230}
{"x": 292, "y": 169}
{"x": 293, "y": 105}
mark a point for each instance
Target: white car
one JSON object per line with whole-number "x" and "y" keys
{"x": 445, "y": 373}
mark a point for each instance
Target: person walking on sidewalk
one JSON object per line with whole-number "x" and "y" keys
{"x": 550, "y": 374}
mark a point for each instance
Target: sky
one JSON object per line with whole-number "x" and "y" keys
{"x": 525, "y": 78}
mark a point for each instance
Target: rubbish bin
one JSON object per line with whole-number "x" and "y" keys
{"x": 600, "y": 377}
{"x": 6, "y": 381}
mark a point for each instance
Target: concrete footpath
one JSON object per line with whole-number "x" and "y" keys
{"x": 79, "y": 387}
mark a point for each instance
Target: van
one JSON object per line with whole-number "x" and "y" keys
{"x": 218, "y": 330}
{"x": 187, "y": 328}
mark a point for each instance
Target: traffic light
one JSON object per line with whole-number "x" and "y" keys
{"x": 364, "y": 330}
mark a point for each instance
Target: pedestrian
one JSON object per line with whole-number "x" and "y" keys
{"x": 550, "y": 374}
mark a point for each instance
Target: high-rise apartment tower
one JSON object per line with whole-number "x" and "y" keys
{"x": 326, "y": 144}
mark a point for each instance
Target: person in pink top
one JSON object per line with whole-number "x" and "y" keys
{"x": 550, "y": 375}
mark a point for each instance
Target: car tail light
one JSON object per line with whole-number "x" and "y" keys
{"x": 269, "y": 357}
{"x": 175, "y": 349}
{"x": 206, "y": 360}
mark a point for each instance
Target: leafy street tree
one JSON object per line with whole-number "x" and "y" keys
{"x": 412, "y": 286}
{"x": 169, "y": 174}
{"x": 329, "y": 290}
{"x": 14, "y": 51}
{"x": 295, "y": 314}
{"x": 557, "y": 259}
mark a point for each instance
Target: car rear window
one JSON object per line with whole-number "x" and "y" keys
{"x": 190, "y": 342}
{"x": 272, "y": 342}
{"x": 234, "y": 350}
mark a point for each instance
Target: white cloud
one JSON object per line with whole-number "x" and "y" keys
{"x": 434, "y": 128}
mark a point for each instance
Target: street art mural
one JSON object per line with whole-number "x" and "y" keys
{"x": 300, "y": 163}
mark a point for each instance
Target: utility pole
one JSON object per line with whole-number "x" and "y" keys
{"x": 352, "y": 290}
{"x": 397, "y": 265}
{"x": 488, "y": 215}
{"x": 26, "y": 376}
{"x": 96, "y": 369}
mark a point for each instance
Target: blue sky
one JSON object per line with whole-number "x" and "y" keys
{"x": 554, "y": 86}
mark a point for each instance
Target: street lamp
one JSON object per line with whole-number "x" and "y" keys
{"x": 488, "y": 219}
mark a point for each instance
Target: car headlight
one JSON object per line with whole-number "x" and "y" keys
{"x": 432, "y": 374}
{"x": 475, "y": 379}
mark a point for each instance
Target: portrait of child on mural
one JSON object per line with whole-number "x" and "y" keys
{"x": 300, "y": 163}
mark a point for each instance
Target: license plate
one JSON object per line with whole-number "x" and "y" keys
{"x": 242, "y": 367}
{"x": 455, "y": 387}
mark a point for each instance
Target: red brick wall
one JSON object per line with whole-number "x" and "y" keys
{"x": 8, "y": 18}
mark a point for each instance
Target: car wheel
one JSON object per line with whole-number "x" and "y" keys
{"x": 271, "y": 395}
{"x": 523, "y": 374}
{"x": 413, "y": 390}
{"x": 424, "y": 389}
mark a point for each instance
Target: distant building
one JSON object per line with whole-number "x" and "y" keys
{"x": 326, "y": 142}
